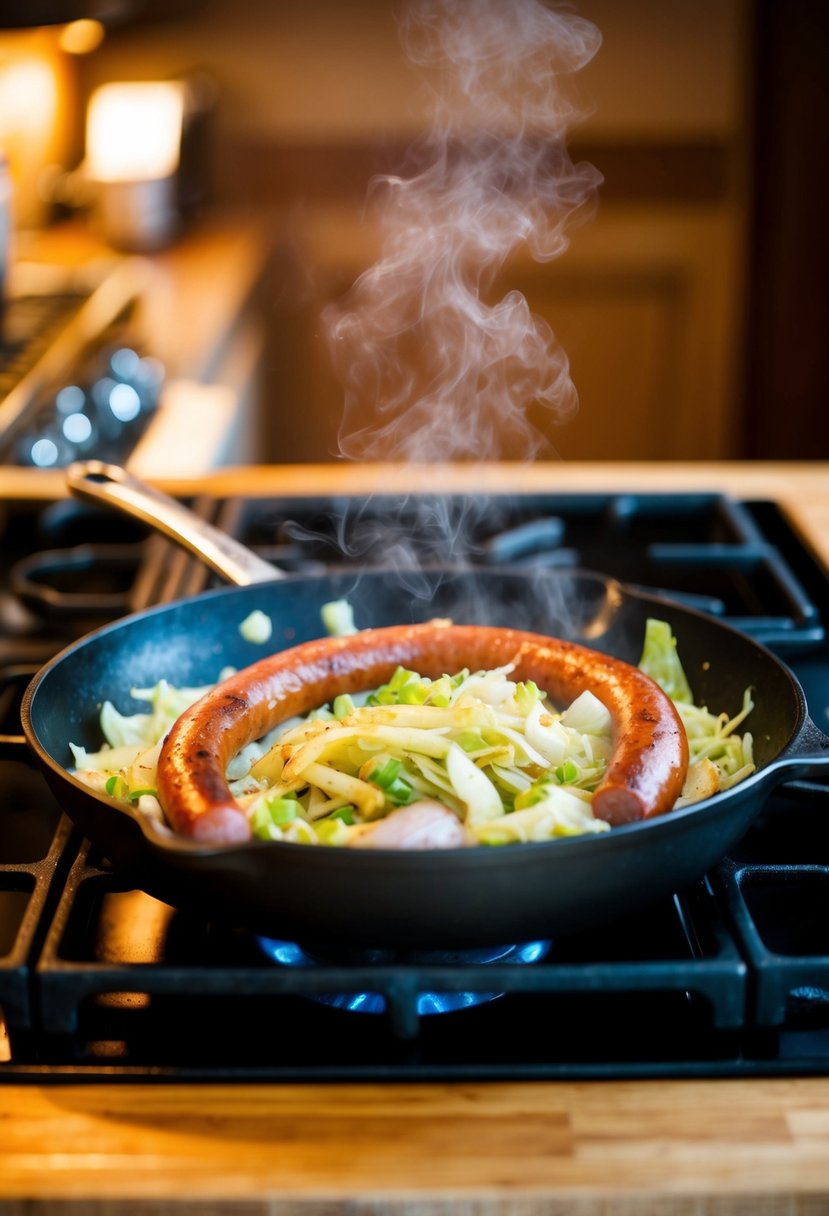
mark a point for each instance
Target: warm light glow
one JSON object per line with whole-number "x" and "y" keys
{"x": 133, "y": 131}
{"x": 37, "y": 105}
{"x": 28, "y": 98}
{"x": 81, "y": 37}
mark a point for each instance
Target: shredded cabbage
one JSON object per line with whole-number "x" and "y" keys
{"x": 661, "y": 662}
{"x": 718, "y": 756}
{"x": 490, "y": 749}
{"x": 125, "y": 767}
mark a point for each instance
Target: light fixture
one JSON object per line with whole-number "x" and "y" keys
{"x": 133, "y": 149}
{"x": 133, "y": 131}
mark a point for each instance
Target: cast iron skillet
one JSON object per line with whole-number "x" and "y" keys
{"x": 440, "y": 899}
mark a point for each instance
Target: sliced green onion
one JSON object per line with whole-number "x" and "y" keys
{"x": 526, "y": 695}
{"x": 331, "y": 831}
{"x": 385, "y": 774}
{"x": 530, "y": 797}
{"x": 344, "y": 813}
{"x": 414, "y": 692}
{"x": 387, "y": 777}
{"x": 567, "y": 773}
{"x": 117, "y": 787}
{"x": 440, "y": 693}
{"x": 271, "y": 814}
{"x": 400, "y": 792}
{"x": 493, "y": 839}
{"x": 408, "y": 688}
{"x": 343, "y": 706}
{"x": 283, "y": 809}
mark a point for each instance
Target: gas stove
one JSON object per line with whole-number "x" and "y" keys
{"x": 101, "y": 981}
{"x": 71, "y": 378}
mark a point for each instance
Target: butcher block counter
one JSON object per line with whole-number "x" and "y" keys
{"x": 641, "y": 1147}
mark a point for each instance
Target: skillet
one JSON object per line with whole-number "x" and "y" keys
{"x": 380, "y": 898}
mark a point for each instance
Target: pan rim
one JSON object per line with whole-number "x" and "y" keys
{"x": 163, "y": 840}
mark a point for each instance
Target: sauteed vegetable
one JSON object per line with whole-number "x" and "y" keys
{"x": 472, "y": 757}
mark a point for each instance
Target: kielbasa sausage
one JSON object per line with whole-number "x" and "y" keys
{"x": 644, "y": 777}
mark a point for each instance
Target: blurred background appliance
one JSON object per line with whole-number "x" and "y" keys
{"x": 133, "y": 138}
{"x": 146, "y": 161}
{"x": 71, "y": 378}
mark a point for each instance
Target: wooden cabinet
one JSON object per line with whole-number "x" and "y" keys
{"x": 645, "y": 303}
{"x": 646, "y": 307}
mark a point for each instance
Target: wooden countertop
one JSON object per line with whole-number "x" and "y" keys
{"x": 801, "y": 486}
{"x": 613, "y": 1148}
{"x": 637, "y": 1148}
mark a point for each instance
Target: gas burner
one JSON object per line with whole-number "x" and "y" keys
{"x": 290, "y": 954}
{"x": 84, "y": 581}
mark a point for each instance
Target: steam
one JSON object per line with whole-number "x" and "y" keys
{"x": 433, "y": 368}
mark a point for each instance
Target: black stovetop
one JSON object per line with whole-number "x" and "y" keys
{"x": 729, "y": 977}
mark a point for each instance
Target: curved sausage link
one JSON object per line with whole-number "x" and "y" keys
{"x": 644, "y": 777}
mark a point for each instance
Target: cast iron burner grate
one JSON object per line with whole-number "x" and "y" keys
{"x": 705, "y": 550}
{"x": 727, "y": 978}
{"x": 114, "y": 957}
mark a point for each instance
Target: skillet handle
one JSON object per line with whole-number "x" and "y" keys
{"x": 809, "y": 751}
{"x": 112, "y": 486}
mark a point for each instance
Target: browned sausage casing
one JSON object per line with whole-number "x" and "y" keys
{"x": 644, "y": 777}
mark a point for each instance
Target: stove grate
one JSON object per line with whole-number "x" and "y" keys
{"x": 729, "y": 978}
{"x": 705, "y": 550}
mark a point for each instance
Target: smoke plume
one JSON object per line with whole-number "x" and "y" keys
{"x": 434, "y": 368}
